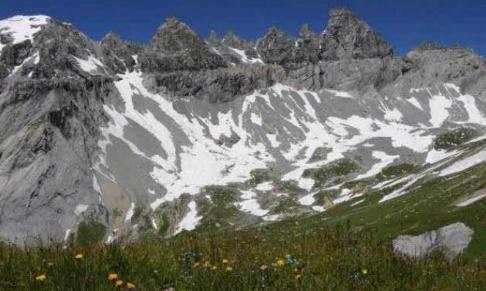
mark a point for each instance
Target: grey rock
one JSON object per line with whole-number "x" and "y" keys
{"x": 118, "y": 54}
{"x": 349, "y": 74}
{"x": 347, "y": 36}
{"x": 276, "y": 47}
{"x": 452, "y": 239}
{"x": 213, "y": 38}
{"x": 307, "y": 48}
{"x": 176, "y": 47}
{"x": 220, "y": 85}
{"x": 232, "y": 40}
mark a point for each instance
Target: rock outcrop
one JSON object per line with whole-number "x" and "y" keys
{"x": 452, "y": 240}
{"x": 175, "y": 47}
{"x": 118, "y": 54}
{"x": 347, "y": 36}
{"x": 276, "y": 47}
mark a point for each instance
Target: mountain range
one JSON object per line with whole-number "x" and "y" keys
{"x": 186, "y": 133}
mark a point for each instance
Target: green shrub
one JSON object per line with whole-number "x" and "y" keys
{"x": 335, "y": 169}
{"x": 397, "y": 171}
{"x": 453, "y": 138}
{"x": 90, "y": 232}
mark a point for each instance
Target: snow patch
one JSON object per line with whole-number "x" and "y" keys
{"x": 250, "y": 204}
{"x": 464, "y": 164}
{"x": 90, "y": 65}
{"x": 439, "y": 106}
{"x": 80, "y": 208}
{"x": 244, "y": 58}
{"x": 265, "y": 186}
{"x": 434, "y": 156}
{"x": 190, "y": 220}
{"x": 130, "y": 211}
{"x": 415, "y": 103}
{"x": 308, "y": 199}
{"x": 21, "y": 28}
{"x": 385, "y": 160}
{"x": 341, "y": 94}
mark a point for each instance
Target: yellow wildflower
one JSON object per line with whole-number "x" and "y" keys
{"x": 364, "y": 271}
{"x": 225, "y": 261}
{"x": 229, "y": 269}
{"x": 280, "y": 262}
{"x": 78, "y": 256}
{"x": 118, "y": 283}
{"x": 206, "y": 264}
{"x": 41, "y": 277}
{"x": 130, "y": 285}
{"x": 113, "y": 276}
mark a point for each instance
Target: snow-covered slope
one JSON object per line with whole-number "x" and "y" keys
{"x": 181, "y": 143}
{"x": 20, "y": 28}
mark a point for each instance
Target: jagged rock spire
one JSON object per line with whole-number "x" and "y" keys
{"x": 347, "y": 36}
{"x": 176, "y": 47}
{"x": 276, "y": 46}
{"x": 175, "y": 36}
{"x": 118, "y": 54}
{"x": 213, "y": 38}
{"x": 307, "y": 49}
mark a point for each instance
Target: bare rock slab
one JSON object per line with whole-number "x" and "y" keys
{"x": 451, "y": 239}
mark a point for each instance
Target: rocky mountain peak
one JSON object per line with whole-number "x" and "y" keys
{"x": 175, "y": 36}
{"x": 213, "y": 38}
{"x": 118, "y": 54}
{"x": 232, "y": 40}
{"x": 177, "y": 47}
{"x": 276, "y": 46}
{"x": 306, "y": 32}
{"x": 111, "y": 37}
{"x": 347, "y": 36}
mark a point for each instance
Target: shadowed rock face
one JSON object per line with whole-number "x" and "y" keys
{"x": 93, "y": 130}
{"x": 347, "y": 36}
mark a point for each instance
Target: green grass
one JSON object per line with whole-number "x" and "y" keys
{"x": 90, "y": 232}
{"x": 219, "y": 211}
{"x": 333, "y": 170}
{"x": 326, "y": 258}
{"x": 425, "y": 207}
{"x": 394, "y": 171}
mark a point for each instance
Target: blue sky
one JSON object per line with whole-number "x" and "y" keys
{"x": 403, "y": 23}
